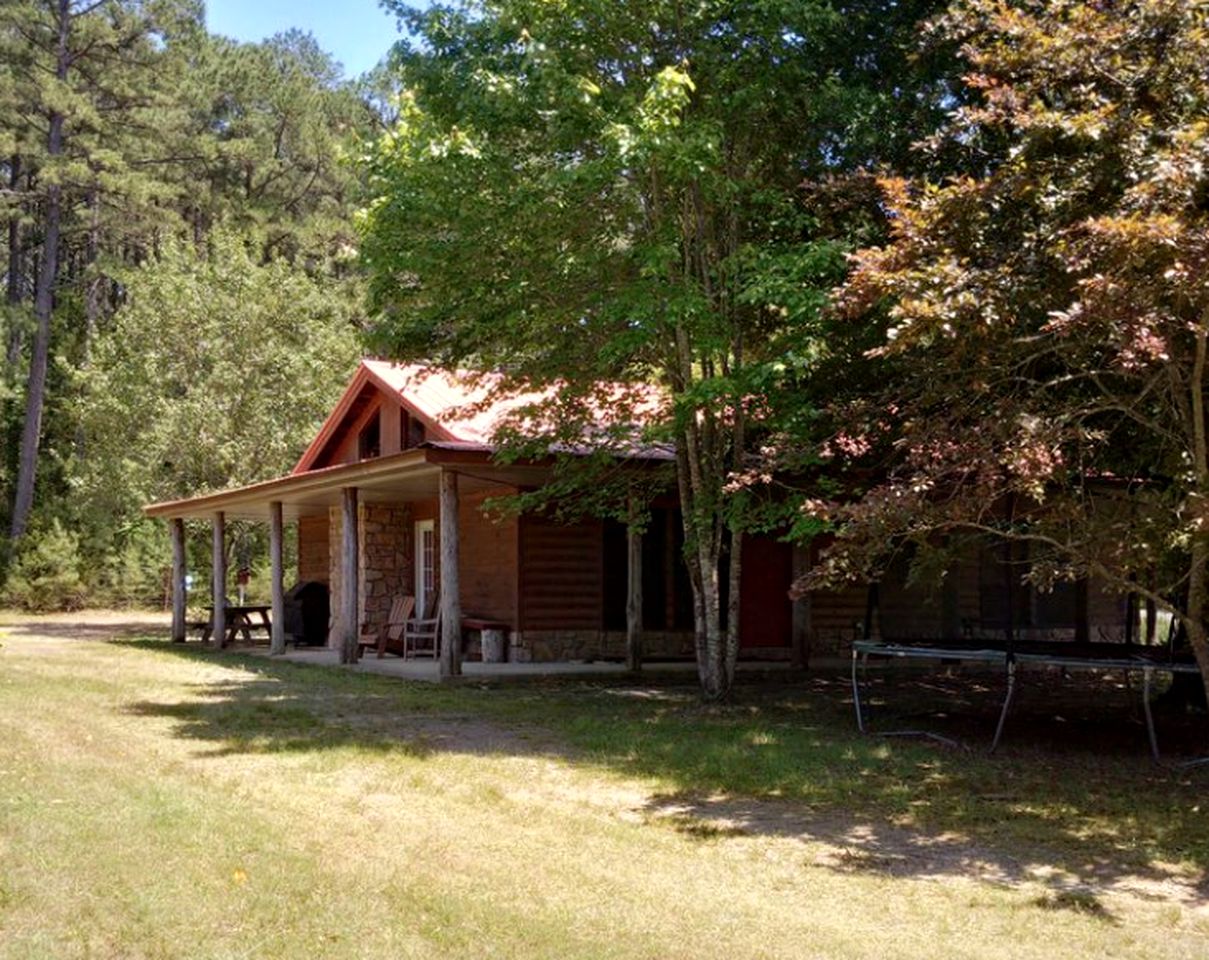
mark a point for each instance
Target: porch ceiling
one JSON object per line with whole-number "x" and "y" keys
{"x": 411, "y": 475}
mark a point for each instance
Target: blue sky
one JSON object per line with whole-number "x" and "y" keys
{"x": 356, "y": 32}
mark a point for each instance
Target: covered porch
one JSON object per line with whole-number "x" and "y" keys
{"x": 410, "y": 522}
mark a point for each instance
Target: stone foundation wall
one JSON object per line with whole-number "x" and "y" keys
{"x": 547, "y": 645}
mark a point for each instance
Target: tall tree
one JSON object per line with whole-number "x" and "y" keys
{"x": 72, "y": 82}
{"x": 594, "y": 191}
{"x": 165, "y": 131}
{"x": 1049, "y": 311}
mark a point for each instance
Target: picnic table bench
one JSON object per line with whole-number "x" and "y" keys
{"x": 246, "y": 619}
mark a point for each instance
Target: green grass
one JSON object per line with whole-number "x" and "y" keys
{"x": 164, "y": 801}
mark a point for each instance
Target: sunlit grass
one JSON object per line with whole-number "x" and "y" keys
{"x": 159, "y": 801}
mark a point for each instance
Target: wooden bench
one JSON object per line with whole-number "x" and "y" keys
{"x": 493, "y": 636}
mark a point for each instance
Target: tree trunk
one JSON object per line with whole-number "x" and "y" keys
{"x": 92, "y": 284}
{"x": 1198, "y": 594}
{"x": 1199, "y": 552}
{"x": 13, "y": 275}
{"x": 733, "y": 607}
{"x": 35, "y": 396}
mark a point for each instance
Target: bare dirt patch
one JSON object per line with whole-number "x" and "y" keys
{"x": 85, "y": 625}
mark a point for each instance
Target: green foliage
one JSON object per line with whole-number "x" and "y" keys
{"x": 135, "y": 571}
{"x": 170, "y": 137}
{"x": 46, "y": 573}
{"x": 1049, "y": 310}
{"x": 216, "y": 372}
{"x": 589, "y": 191}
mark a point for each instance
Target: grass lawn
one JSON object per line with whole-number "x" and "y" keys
{"x": 165, "y": 801}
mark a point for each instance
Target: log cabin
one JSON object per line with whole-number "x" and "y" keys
{"x": 390, "y": 497}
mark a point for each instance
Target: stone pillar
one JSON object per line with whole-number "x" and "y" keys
{"x": 177, "y": 527}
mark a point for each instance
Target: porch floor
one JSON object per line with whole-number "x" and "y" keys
{"x": 473, "y": 669}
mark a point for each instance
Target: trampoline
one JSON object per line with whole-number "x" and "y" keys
{"x": 1126, "y": 658}
{"x": 1007, "y": 649}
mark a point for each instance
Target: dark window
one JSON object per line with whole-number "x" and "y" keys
{"x": 1002, "y": 568}
{"x": 369, "y": 443}
{"x": 415, "y": 432}
{"x": 682, "y": 618}
{"x": 616, "y": 575}
{"x": 655, "y": 572}
{"x": 663, "y": 570}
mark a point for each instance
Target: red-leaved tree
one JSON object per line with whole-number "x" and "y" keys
{"x": 1049, "y": 310}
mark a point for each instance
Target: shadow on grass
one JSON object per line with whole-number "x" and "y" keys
{"x": 1071, "y": 803}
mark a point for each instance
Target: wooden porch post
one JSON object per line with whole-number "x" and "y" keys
{"x": 276, "y": 575}
{"x": 177, "y": 527}
{"x": 219, "y": 581}
{"x": 451, "y": 599}
{"x": 350, "y": 589}
{"x": 633, "y": 604}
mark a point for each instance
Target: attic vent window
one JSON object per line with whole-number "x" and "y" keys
{"x": 415, "y": 433}
{"x": 411, "y": 430}
{"x": 369, "y": 443}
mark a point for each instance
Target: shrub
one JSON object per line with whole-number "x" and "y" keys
{"x": 45, "y": 574}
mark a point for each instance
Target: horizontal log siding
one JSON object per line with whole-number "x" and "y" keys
{"x": 314, "y": 549}
{"x": 487, "y": 562}
{"x": 561, "y": 575}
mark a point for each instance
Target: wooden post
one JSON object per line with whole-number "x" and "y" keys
{"x": 177, "y": 527}
{"x": 633, "y": 603}
{"x": 276, "y": 576}
{"x": 350, "y": 589}
{"x": 451, "y": 599}
{"x": 219, "y": 580}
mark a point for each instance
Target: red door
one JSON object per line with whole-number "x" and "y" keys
{"x": 765, "y": 611}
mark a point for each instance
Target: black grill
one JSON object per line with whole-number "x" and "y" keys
{"x": 306, "y": 613}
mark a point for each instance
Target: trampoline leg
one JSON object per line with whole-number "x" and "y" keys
{"x": 1007, "y": 704}
{"x": 856, "y": 695}
{"x": 1150, "y": 731}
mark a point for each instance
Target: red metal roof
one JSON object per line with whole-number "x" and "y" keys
{"x": 455, "y": 404}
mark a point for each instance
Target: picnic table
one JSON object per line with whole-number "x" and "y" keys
{"x": 246, "y": 619}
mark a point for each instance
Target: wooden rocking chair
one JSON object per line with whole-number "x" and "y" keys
{"x": 422, "y": 636}
{"x": 389, "y": 637}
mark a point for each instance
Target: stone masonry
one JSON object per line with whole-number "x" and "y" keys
{"x": 386, "y": 567}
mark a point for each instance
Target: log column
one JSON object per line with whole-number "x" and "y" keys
{"x": 451, "y": 599}
{"x": 277, "y": 573}
{"x": 219, "y": 580}
{"x": 177, "y": 527}
{"x": 350, "y": 587}
{"x": 633, "y": 603}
